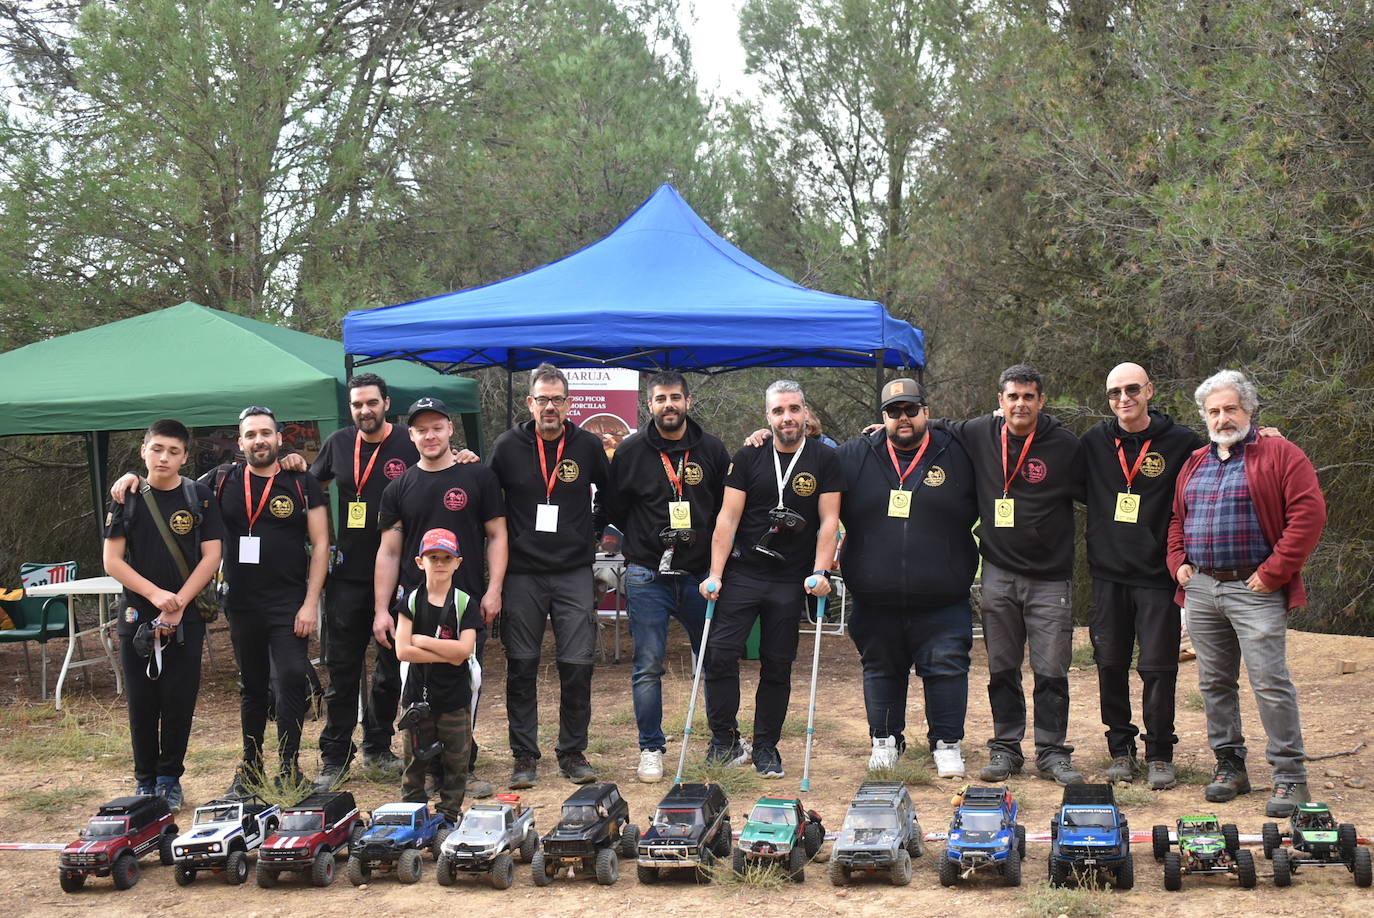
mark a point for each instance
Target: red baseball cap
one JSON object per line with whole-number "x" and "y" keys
{"x": 440, "y": 540}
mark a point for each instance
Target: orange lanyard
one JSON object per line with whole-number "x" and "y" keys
{"x": 248, "y": 498}
{"x": 675, "y": 479}
{"x": 359, "y": 481}
{"x": 544, "y": 465}
{"x": 1121, "y": 456}
{"x": 1025, "y": 449}
{"x": 896, "y": 466}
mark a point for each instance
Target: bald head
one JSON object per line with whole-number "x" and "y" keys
{"x": 1129, "y": 391}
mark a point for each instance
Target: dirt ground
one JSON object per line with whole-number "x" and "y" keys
{"x": 58, "y": 768}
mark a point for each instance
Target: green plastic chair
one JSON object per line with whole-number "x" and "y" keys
{"x": 35, "y": 619}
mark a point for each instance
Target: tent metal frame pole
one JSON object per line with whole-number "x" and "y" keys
{"x": 510, "y": 394}
{"x": 878, "y": 385}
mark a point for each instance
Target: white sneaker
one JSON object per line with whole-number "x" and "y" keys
{"x": 650, "y": 766}
{"x": 885, "y": 753}
{"x": 949, "y": 759}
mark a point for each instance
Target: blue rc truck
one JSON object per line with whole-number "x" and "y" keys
{"x": 1089, "y": 834}
{"x": 393, "y": 841}
{"x": 984, "y": 835}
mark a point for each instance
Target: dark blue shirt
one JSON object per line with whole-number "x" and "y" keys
{"x": 1221, "y": 530}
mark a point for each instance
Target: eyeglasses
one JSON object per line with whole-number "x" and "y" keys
{"x": 544, "y": 401}
{"x": 906, "y": 409}
{"x": 1114, "y": 395}
{"x": 256, "y": 409}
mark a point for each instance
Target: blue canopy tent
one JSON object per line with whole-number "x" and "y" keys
{"x": 663, "y": 290}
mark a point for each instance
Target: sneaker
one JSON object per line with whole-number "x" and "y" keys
{"x": 768, "y": 761}
{"x": 949, "y": 759}
{"x": 1001, "y": 766}
{"x": 244, "y": 775}
{"x": 525, "y": 773}
{"x": 386, "y": 762}
{"x": 650, "y": 766}
{"x": 1123, "y": 768}
{"x": 736, "y": 754}
{"x": 170, "y": 790}
{"x": 477, "y": 788}
{"x": 146, "y": 790}
{"x": 1287, "y": 796}
{"x": 885, "y": 753}
{"x": 1061, "y": 772}
{"x": 1161, "y": 775}
{"x": 575, "y": 767}
{"x": 330, "y": 777}
{"x": 1229, "y": 781}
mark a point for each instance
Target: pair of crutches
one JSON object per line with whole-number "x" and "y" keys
{"x": 712, "y": 586}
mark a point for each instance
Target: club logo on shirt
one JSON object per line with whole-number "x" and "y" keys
{"x": 455, "y": 499}
{"x": 394, "y": 469}
{"x": 804, "y": 484}
{"x": 730, "y": 471}
{"x": 130, "y": 614}
{"x": 109, "y": 518}
{"x": 282, "y": 506}
{"x": 692, "y": 474}
{"x": 1035, "y": 471}
{"x": 181, "y": 522}
{"x": 445, "y": 633}
{"x": 568, "y": 471}
{"x": 935, "y": 476}
{"x": 1153, "y": 465}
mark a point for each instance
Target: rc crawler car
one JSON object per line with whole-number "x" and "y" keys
{"x": 1317, "y": 842}
{"x": 780, "y": 831}
{"x": 984, "y": 835}
{"x": 1088, "y": 836}
{"x": 691, "y": 829}
{"x": 392, "y": 842}
{"x": 312, "y": 833}
{"x": 121, "y": 832}
{"x": 488, "y": 840}
{"x": 222, "y": 833}
{"x": 1204, "y": 847}
{"x": 594, "y": 824}
{"x": 880, "y": 833}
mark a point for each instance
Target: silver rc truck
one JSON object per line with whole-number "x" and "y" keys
{"x": 880, "y": 833}
{"x": 488, "y": 841}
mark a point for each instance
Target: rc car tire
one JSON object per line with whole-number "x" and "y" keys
{"x": 647, "y": 876}
{"x": 1346, "y": 840}
{"x": 1021, "y": 841}
{"x": 1011, "y": 869}
{"x": 1245, "y": 869}
{"x": 436, "y": 844}
{"x": 949, "y": 872}
{"x": 813, "y": 836}
{"x": 70, "y": 881}
{"x": 900, "y": 872}
{"x": 266, "y": 876}
{"x": 1283, "y": 869}
{"x": 538, "y": 872}
{"x": 607, "y": 866}
{"x": 1125, "y": 874}
{"x": 705, "y": 862}
{"x": 502, "y": 871}
{"x": 738, "y": 863}
{"x": 1363, "y": 868}
{"x": 358, "y": 871}
{"x": 1059, "y": 871}
{"x": 411, "y": 862}
{"x": 322, "y": 868}
{"x": 1173, "y": 872}
{"x": 796, "y": 864}
{"x": 1159, "y": 838}
{"x": 725, "y": 838}
{"x": 1269, "y": 834}
{"x": 528, "y": 845}
{"x": 629, "y": 841}
{"x": 1231, "y": 834}
{"x": 164, "y": 849}
{"x": 839, "y": 873}
{"x": 444, "y": 870}
{"x": 235, "y": 868}
{"x": 184, "y": 875}
{"x": 125, "y": 871}
{"x": 355, "y": 835}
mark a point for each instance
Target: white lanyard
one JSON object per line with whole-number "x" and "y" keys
{"x": 777, "y": 468}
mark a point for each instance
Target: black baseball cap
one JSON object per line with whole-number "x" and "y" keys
{"x": 903, "y": 390}
{"x": 421, "y": 405}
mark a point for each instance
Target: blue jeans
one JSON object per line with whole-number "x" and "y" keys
{"x": 651, "y": 599}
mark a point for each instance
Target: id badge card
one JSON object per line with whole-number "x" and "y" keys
{"x": 249, "y": 549}
{"x": 546, "y": 518}
{"x": 1127, "y": 508}
{"x": 1004, "y": 512}
{"x": 679, "y": 514}
{"x": 357, "y": 514}
{"x": 899, "y": 504}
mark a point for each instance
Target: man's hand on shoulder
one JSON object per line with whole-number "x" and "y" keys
{"x": 127, "y": 484}
{"x": 758, "y": 437}
{"x": 465, "y": 455}
{"x": 293, "y": 462}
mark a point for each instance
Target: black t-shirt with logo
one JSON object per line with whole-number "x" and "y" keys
{"x": 277, "y": 582}
{"x": 396, "y": 453}
{"x": 461, "y": 499}
{"x": 190, "y": 524}
{"x": 817, "y": 471}
{"x": 446, "y": 687}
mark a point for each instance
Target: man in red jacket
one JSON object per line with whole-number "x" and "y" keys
{"x": 1247, "y": 514}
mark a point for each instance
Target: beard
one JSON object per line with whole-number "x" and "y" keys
{"x": 1229, "y": 437}
{"x": 370, "y": 425}
{"x": 907, "y": 439}
{"x": 670, "y": 421}
{"x": 261, "y": 459}
{"x": 789, "y": 436}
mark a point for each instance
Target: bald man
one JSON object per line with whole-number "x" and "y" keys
{"x": 1133, "y": 460}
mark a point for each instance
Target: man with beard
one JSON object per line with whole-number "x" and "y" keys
{"x": 1247, "y": 514}
{"x": 666, "y": 487}
{"x": 1132, "y": 461}
{"x": 775, "y": 534}
{"x": 908, "y": 560}
{"x": 547, "y": 467}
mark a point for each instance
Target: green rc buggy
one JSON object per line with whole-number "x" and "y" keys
{"x": 1316, "y": 841}
{"x": 1204, "y": 847}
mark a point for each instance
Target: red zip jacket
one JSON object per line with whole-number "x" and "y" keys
{"x": 1288, "y": 504}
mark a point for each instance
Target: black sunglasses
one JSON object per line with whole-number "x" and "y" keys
{"x": 905, "y": 409}
{"x": 256, "y": 409}
{"x": 1114, "y": 395}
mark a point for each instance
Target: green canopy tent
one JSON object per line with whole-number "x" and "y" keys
{"x": 201, "y": 366}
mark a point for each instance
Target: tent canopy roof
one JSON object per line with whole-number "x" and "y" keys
{"x": 201, "y": 366}
{"x": 662, "y": 290}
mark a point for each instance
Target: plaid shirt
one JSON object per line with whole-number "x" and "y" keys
{"x": 1221, "y": 530}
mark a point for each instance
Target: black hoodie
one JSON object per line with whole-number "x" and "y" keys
{"x": 927, "y": 560}
{"x": 1133, "y": 553}
{"x": 1040, "y": 544}
{"x": 640, "y": 491}
{"x": 516, "y": 464}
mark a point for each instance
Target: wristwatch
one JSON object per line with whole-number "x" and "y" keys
{"x": 825, "y": 574}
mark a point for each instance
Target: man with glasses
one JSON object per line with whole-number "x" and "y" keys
{"x": 908, "y": 560}
{"x": 1132, "y": 461}
{"x": 547, "y": 467}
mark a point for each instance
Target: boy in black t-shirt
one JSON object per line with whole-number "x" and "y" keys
{"x": 435, "y": 635}
{"x": 169, "y": 513}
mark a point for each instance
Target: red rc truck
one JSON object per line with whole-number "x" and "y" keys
{"x": 120, "y": 833}
{"x": 309, "y": 837}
